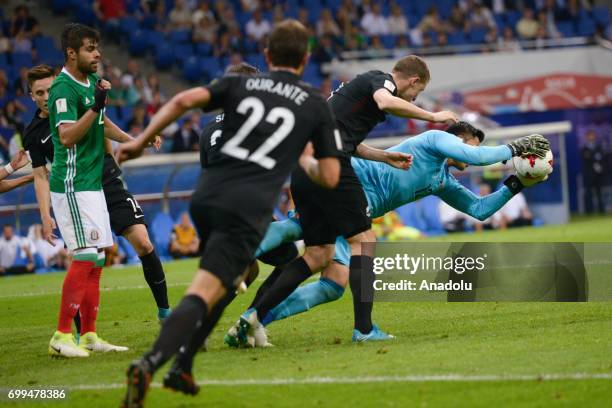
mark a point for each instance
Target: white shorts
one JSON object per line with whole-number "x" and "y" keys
{"x": 82, "y": 218}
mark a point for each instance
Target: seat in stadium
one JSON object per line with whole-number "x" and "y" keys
{"x": 22, "y": 59}
{"x": 138, "y": 43}
{"x": 192, "y": 69}
{"x": 203, "y": 49}
{"x": 179, "y": 36}
{"x": 164, "y": 56}
{"x": 161, "y": 229}
{"x": 586, "y": 26}
{"x": 210, "y": 67}
{"x": 601, "y": 15}
{"x": 257, "y": 60}
{"x": 566, "y": 28}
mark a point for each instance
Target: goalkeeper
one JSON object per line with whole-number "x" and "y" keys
{"x": 387, "y": 188}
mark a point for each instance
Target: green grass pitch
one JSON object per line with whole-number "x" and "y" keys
{"x": 464, "y": 354}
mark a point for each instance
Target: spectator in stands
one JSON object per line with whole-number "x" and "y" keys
{"x": 541, "y": 37}
{"x": 110, "y": 12}
{"x": 51, "y": 256}
{"x": 132, "y": 71}
{"x": 527, "y": 26}
{"x": 139, "y": 117}
{"x": 206, "y": 30}
{"x": 180, "y": 16}
{"x": 594, "y": 171}
{"x": 24, "y": 22}
{"x": 5, "y": 43}
{"x": 390, "y": 227}
{"x": 327, "y": 25}
{"x": 481, "y": 17}
{"x": 326, "y": 87}
{"x": 257, "y": 28}
{"x": 278, "y": 14}
{"x": 516, "y": 212}
{"x": 324, "y": 51}
{"x": 185, "y": 139}
{"x": 150, "y": 87}
{"x": 184, "y": 241}
{"x": 202, "y": 11}
{"x": 373, "y": 22}
{"x": 133, "y": 94}
{"x": 16, "y": 255}
{"x": 397, "y": 21}
{"x": 547, "y": 23}
{"x": 250, "y": 6}
{"x": 115, "y": 95}
{"x": 21, "y": 43}
{"x": 443, "y": 49}
{"x": 155, "y": 104}
{"x": 228, "y": 20}
{"x": 223, "y": 46}
{"x": 20, "y": 86}
{"x": 304, "y": 18}
{"x": 457, "y": 20}
{"x": 431, "y": 22}
{"x": 508, "y": 42}
{"x": 10, "y": 116}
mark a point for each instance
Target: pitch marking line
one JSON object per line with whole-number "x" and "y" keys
{"x": 365, "y": 380}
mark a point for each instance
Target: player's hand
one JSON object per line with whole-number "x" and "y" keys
{"x": 445, "y": 116}
{"x": 48, "y": 225}
{"x": 129, "y": 150}
{"x": 157, "y": 143}
{"x": 399, "y": 160}
{"x": 100, "y": 94}
{"x": 20, "y": 160}
{"x": 532, "y": 144}
{"x": 308, "y": 150}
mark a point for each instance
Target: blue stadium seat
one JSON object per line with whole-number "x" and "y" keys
{"x": 127, "y": 25}
{"x": 60, "y": 6}
{"x": 456, "y": 38}
{"x": 210, "y": 67}
{"x": 601, "y": 15}
{"x": 22, "y": 59}
{"x": 257, "y": 60}
{"x": 164, "y": 56}
{"x": 154, "y": 39}
{"x": 51, "y": 56}
{"x": 512, "y": 17}
{"x": 179, "y": 36}
{"x": 192, "y": 69}
{"x": 161, "y": 229}
{"x": 566, "y": 28}
{"x": 388, "y": 40}
{"x": 203, "y": 49}
{"x": 43, "y": 42}
{"x": 138, "y": 43}
{"x": 477, "y": 35}
{"x": 182, "y": 52}
{"x": 186, "y": 178}
{"x": 586, "y": 26}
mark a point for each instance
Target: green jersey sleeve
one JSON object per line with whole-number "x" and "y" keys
{"x": 63, "y": 102}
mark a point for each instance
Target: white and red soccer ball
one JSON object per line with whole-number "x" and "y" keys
{"x": 533, "y": 169}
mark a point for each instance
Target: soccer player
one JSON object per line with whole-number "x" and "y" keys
{"x": 19, "y": 160}
{"x": 78, "y": 126}
{"x": 126, "y": 217}
{"x": 358, "y": 107}
{"x": 387, "y": 188}
{"x": 269, "y": 120}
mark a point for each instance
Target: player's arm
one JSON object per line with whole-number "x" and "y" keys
{"x": 389, "y": 103}
{"x": 451, "y": 146}
{"x": 70, "y": 129}
{"x": 19, "y": 160}
{"x": 168, "y": 113}
{"x": 320, "y": 160}
{"x": 480, "y": 207}
{"x": 8, "y": 185}
{"x": 398, "y": 160}
{"x": 114, "y": 132}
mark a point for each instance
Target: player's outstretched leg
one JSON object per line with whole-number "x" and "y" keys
{"x": 152, "y": 267}
{"x": 90, "y": 340}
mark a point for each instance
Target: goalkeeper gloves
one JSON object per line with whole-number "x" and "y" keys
{"x": 532, "y": 144}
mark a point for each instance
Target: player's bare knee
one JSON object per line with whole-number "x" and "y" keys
{"x": 138, "y": 236}
{"x": 337, "y": 273}
{"x": 319, "y": 256}
{"x": 356, "y": 242}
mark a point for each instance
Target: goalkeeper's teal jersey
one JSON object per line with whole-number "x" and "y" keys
{"x": 79, "y": 167}
{"x": 388, "y": 188}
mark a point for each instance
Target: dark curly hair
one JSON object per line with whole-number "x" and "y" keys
{"x": 461, "y": 128}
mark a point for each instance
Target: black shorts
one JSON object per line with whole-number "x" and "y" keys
{"x": 227, "y": 242}
{"x": 326, "y": 214}
{"x": 123, "y": 208}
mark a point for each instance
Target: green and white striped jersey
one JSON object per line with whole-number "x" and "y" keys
{"x": 78, "y": 168}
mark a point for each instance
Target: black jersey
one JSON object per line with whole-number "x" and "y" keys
{"x": 356, "y": 110}
{"x": 209, "y": 141}
{"x": 269, "y": 118}
{"x": 38, "y": 143}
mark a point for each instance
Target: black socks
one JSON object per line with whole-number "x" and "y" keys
{"x": 361, "y": 279}
{"x": 154, "y": 275}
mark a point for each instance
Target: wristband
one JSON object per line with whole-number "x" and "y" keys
{"x": 514, "y": 184}
{"x": 9, "y": 169}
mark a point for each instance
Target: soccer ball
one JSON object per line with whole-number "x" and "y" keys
{"x": 532, "y": 169}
